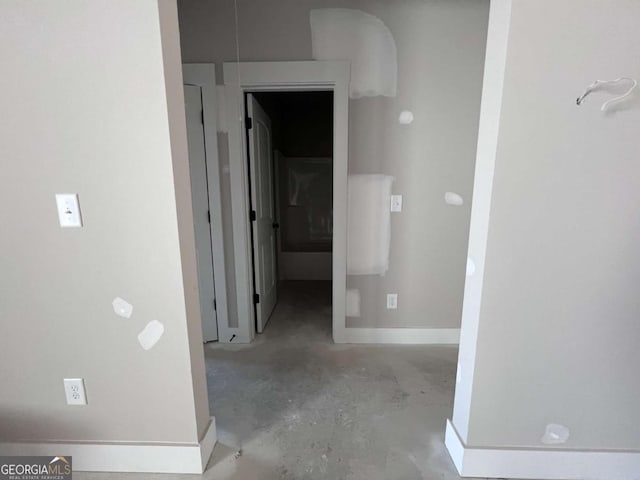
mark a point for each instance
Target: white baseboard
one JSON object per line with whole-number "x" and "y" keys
{"x": 126, "y": 457}
{"x": 405, "y": 336}
{"x": 400, "y": 336}
{"x": 542, "y": 464}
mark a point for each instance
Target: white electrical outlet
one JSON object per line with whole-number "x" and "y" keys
{"x": 392, "y": 301}
{"x": 74, "y": 390}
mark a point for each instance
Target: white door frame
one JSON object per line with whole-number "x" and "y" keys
{"x": 243, "y": 77}
{"x": 204, "y": 76}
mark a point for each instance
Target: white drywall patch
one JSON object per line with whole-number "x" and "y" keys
{"x": 151, "y": 334}
{"x": 452, "y": 198}
{"x": 353, "y": 302}
{"x": 364, "y": 40}
{"x": 471, "y": 267}
{"x": 221, "y": 110}
{"x": 405, "y": 118}
{"x": 122, "y": 308}
{"x": 369, "y": 228}
{"x": 555, "y": 434}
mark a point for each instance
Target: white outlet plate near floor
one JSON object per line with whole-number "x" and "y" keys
{"x": 74, "y": 391}
{"x": 392, "y": 301}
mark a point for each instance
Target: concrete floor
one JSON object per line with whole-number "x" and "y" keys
{"x": 293, "y": 405}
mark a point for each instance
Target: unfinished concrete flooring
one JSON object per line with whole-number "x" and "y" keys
{"x": 293, "y": 405}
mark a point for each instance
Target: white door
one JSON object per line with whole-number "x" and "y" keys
{"x": 262, "y": 201}
{"x": 201, "y": 217}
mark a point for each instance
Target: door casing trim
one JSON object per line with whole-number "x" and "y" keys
{"x": 245, "y": 77}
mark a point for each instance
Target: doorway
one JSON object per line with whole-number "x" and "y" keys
{"x": 290, "y": 160}
{"x": 241, "y": 79}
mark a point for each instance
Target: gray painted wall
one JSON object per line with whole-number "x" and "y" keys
{"x": 440, "y": 63}
{"x": 558, "y": 329}
{"x": 97, "y": 111}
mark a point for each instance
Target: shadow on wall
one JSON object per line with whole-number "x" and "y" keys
{"x": 24, "y": 425}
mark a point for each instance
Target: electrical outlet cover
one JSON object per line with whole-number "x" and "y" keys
{"x": 392, "y": 301}
{"x": 74, "y": 391}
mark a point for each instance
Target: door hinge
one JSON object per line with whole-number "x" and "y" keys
{"x": 275, "y": 225}
{"x": 215, "y": 307}
{"x": 209, "y": 215}
{"x": 256, "y": 298}
{"x": 248, "y": 123}
{"x": 252, "y": 215}
{"x": 202, "y": 117}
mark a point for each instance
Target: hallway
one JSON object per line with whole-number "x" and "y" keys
{"x": 294, "y": 405}
{"x": 299, "y": 406}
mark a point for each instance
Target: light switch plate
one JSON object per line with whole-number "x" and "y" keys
{"x": 74, "y": 391}
{"x": 68, "y": 210}
{"x": 396, "y": 203}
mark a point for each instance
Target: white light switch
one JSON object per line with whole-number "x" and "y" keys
{"x": 68, "y": 210}
{"x": 74, "y": 391}
{"x": 396, "y": 203}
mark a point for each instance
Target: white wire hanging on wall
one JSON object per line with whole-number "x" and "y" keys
{"x": 599, "y": 84}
